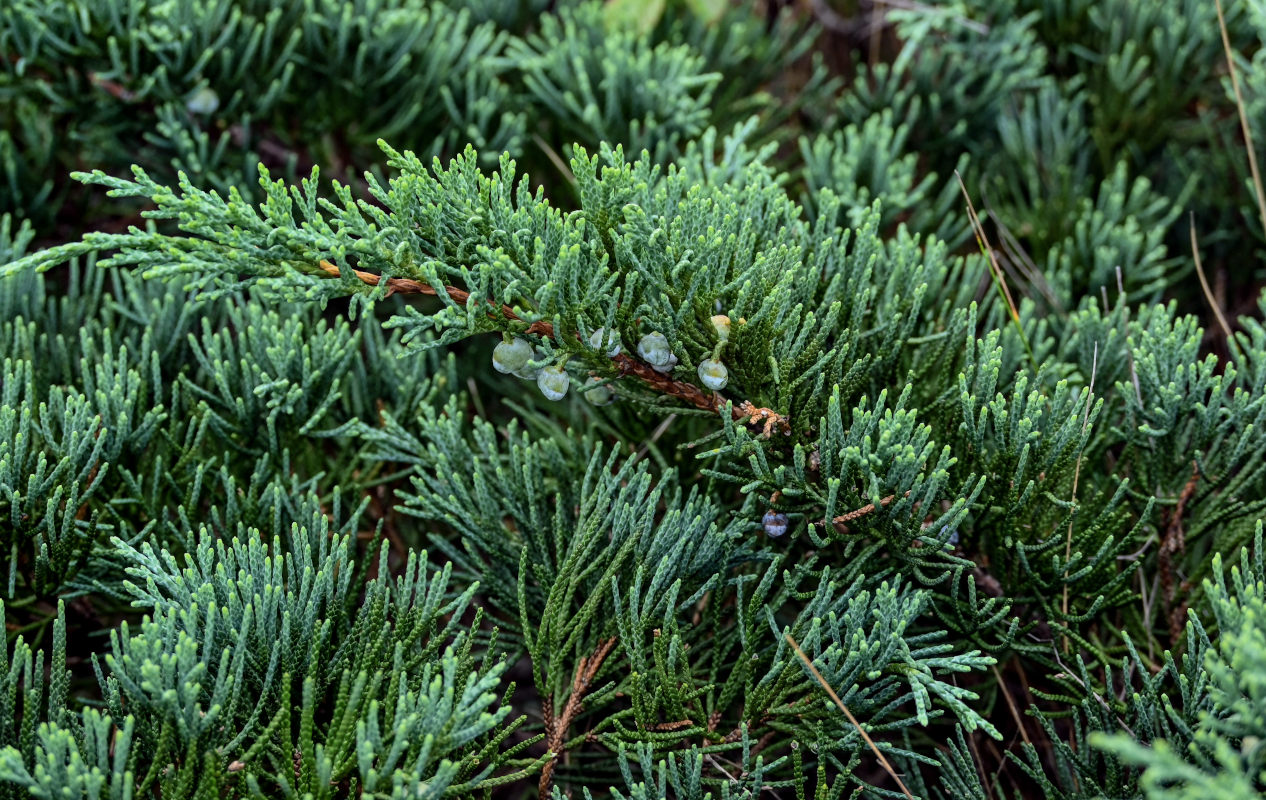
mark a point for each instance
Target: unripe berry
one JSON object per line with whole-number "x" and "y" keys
{"x": 553, "y": 381}
{"x": 203, "y": 101}
{"x": 597, "y": 392}
{"x": 611, "y": 339}
{"x": 775, "y": 522}
{"x": 511, "y": 357}
{"x": 713, "y": 374}
{"x": 722, "y": 324}
{"x": 528, "y": 372}
{"x": 653, "y": 348}
{"x": 666, "y": 368}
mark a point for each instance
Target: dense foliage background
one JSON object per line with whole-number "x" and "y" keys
{"x": 281, "y": 521}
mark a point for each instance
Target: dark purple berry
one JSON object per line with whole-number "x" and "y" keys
{"x": 775, "y": 522}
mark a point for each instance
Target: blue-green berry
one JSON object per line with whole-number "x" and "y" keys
{"x": 511, "y": 357}
{"x": 654, "y": 350}
{"x": 597, "y": 392}
{"x": 713, "y": 374}
{"x": 602, "y": 338}
{"x": 529, "y": 372}
{"x": 553, "y": 381}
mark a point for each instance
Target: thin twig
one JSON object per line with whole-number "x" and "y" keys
{"x": 1204, "y": 285}
{"x": 1024, "y": 680}
{"x": 853, "y": 720}
{"x": 1015, "y": 711}
{"x": 1132, "y": 556}
{"x": 1024, "y": 263}
{"x": 554, "y": 158}
{"x": 1068, "y": 542}
{"x": 869, "y": 508}
{"x": 1239, "y": 105}
{"x": 999, "y": 278}
{"x": 721, "y": 769}
{"x": 980, "y": 764}
{"x": 659, "y": 431}
{"x": 1068, "y": 672}
{"x": 983, "y": 241}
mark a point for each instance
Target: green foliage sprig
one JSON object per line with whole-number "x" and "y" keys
{"x": 275, "y": 528}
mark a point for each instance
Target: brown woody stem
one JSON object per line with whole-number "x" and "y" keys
{"x": 869, "y": 508}
{"x": 556, "y": 727}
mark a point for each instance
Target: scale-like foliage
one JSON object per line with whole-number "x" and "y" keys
{"x": 1215, "y": 751}
{"x": 647, "y": 420}
{"x": 257, "y": 669}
